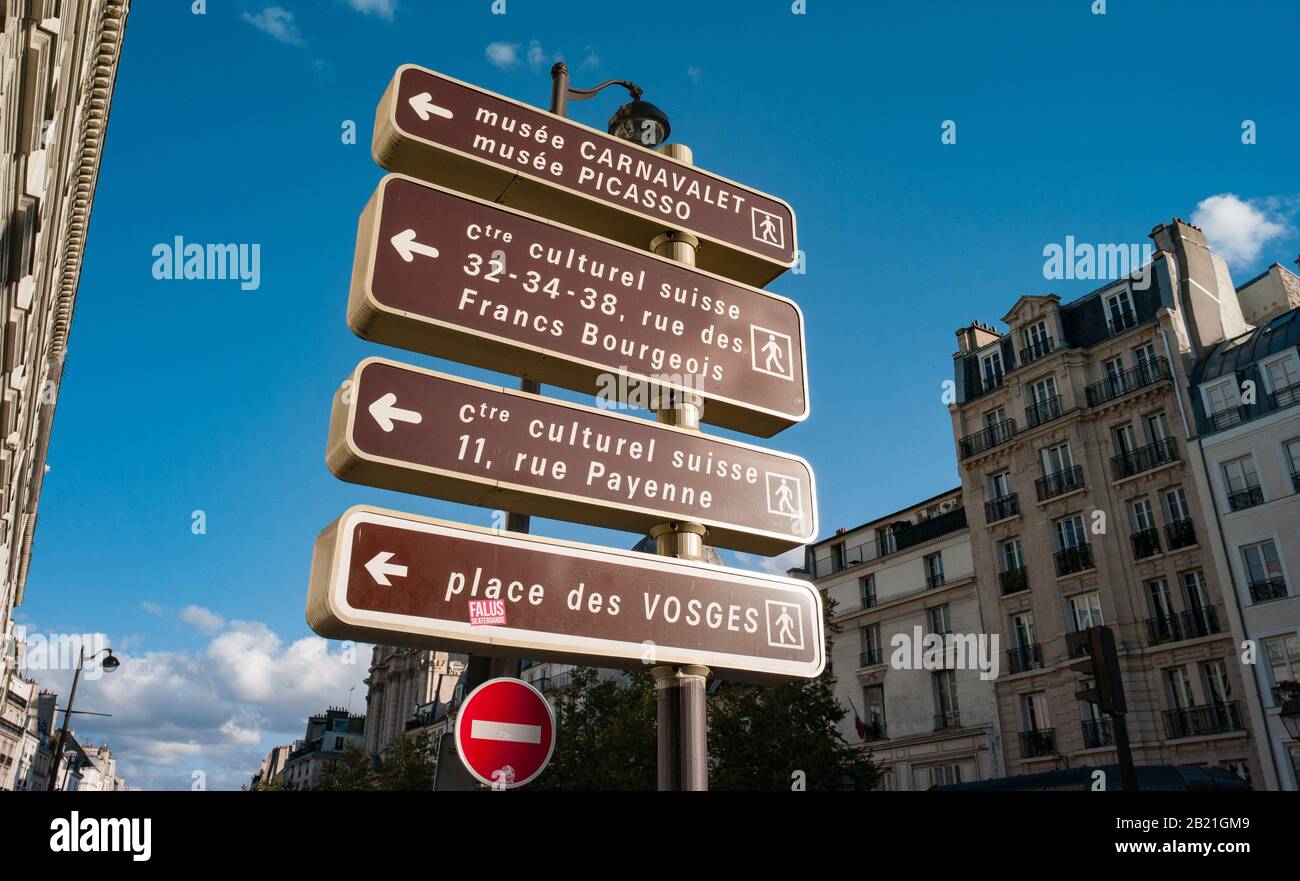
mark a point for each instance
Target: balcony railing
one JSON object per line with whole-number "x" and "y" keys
{"x": 901, "y": 537}
{"x": 1182, "y": 625}
{"x": 1146, "y": 543}
{"x": 1181, "y": 534}
{"x": 947, "y": 719}
{"x": 871, "y": 657}
{"x": 1146, "y": 373}
{"x": 1075, "y": 559}
{"x": 1025, "y": 657}
{"x": 933, "y": 580}
{"x": 1162, "y": 452}
{"x": 1285, "y": 397}
{"x": 1216, "y": 718}
{"x": 1041, "y": 742}
{"x": 997, "y": 433}
{"x": 1043, "y": 347}
{"x": 873, "y": 729}
{"x": 1227, "y": 417}
{"x": 1059, "y": 483}
{"x": 1014, "y": 580}
{"x": 1043, "y": 411}
{"x": 1097, "y": 733}
{"x": 1245, "y": 498}
{"x": 989, "y": 382}
{"x": 1268, "y": 589}
{"x": 1002, "y": 507}
{"x": 1118, "y": 322}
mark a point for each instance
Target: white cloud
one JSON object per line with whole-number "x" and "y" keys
{"x": 152, "y": 608}
{"x": 502, "y": 55}
{"x": 694, "y": 73}
{"x": 277, "y": 22}
{"x": 1237, "y": 229}
{"x": 778, "y": 565}
{"x": 204, "y": 620}
{"x": 382, "y": 8}
{"x": 536, "y": 57}
{"x": 217, "y": 711}
{"x": 592, "y": 59}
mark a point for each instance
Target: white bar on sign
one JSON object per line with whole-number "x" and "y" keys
{"x": 486, "y": 729}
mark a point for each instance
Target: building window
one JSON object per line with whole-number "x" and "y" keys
{"x": 1038, "y": 738}
{"x": 940, "y": 623}
{"x": 872, "y": 652}
{"x": 1282, "y": 654}
{"x": 946, "y": 714}
{"x": 1038, "y": 342}
{"x": 1144, "y": 359}
{"x": 1000, "y": 483}
{"x": 1263, "y": 571}
{"x": 1011, "y": 558}
{"x": 991, "y": 369}
{"x": 1282, "y": 378}
{"x": 867, "y": 591}
{"x": 1242, "y": 482}
{"x": 1291, "y": 449}
{"x": 338, "y": 744}
{"x": 1119, "y": 311}
{"x": 942, "y": 775}
{"x": 873, "y": 706}
{"x": 934, "y": 571}
{"x": 1084, "y": 611}
{"x": 1222, "y": 402}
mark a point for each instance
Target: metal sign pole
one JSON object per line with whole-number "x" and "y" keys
{"x": 680, "y": 691}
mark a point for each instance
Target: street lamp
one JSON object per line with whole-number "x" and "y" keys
{"x": 110, "y": 664}
{"x": 637, "y": 121}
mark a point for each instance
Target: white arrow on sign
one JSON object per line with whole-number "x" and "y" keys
{"x": 408, "y": 247}
{"x": 424, "y": 107}
{"x": 385, "y": 411}
{"x": 379, "y": 568}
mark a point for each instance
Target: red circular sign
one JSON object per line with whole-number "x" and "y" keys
{"x": 505, "y": 733}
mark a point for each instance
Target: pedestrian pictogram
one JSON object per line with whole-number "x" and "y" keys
{"x": 784, "y": 625}
{"x": 768, "y": 228}
{"x": 771, "y": 352}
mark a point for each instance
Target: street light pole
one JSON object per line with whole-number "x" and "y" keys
{"x": 67, "y": 711}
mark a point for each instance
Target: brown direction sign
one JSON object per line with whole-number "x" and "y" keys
{"x": 453, "y": 133}
{"x": 404, "y": 428}
{"x": 397, "y": 579}
{"x": 458, "y": 277}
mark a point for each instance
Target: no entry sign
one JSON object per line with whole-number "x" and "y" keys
{"x": 505, "y": 733}
{"x": 475, "y": 141}
{"x": 414, "y": 430}
{"x": 461, "y": 278}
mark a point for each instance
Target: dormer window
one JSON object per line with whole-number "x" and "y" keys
{"x": 991, "y": 369}
{"x": 1222, "y": 400}
{"x": 1282, "y": 378}
{"x": 1038, "y": 342}
{"x": 1119, "y": 311}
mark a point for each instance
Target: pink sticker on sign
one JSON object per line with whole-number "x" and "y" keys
{"x": 487, "y": 612}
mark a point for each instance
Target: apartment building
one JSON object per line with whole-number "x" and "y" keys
{"x": 1246, "y": 399}
{"x": 405, "y": 689}
{"x": 893, "y": 581}
{"x": 1071, "y": 435}
{"x": 326, "y": 740}
{"x": 58, "y": 64}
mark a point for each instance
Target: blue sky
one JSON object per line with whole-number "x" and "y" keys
{"x": 226, "y": 127}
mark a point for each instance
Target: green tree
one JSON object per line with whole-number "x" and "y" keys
{"x": 352, "y": 772}
{"x": 605, "y": 734}
{"x": 762, "y": 736}
{"x": 410, "y": 765}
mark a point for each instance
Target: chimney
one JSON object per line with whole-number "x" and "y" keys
{"x": 1204, "y": 292}
{"x": 974, "y": 336}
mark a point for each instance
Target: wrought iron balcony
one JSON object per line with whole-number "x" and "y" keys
{"x": 1285, "y": 397}
{"x": 1245, "y": 498}
{"x": 1097, "y": 733}
{"x": 1037, "y": 743}
{"x": 1227, "y": 417}
{"x": 1075, "y": 559}
{"x": 1014, "y": 580}
{"x": 1145, "y": 374}
{"x": 1268, "y": 589}
{"x": 1043, "y": 411}
{"x": 874, "y": 729}
{"x": 933, "y": 580}
{"x": 871, "y": 657}
{"x": 947, "y": 719}
{"x": 1182, "y": 625}
{"x": 1002, "y": 507}
{"x": 1216, "y": 718}
{"x": 1059, "y": 483}
{"x": 1025, "y": 657}
{"x": 1040, "y": 349}
{"x": 1146, "y": 543}
{"x": 1180, "y": 534}
{"x": 997, "y": 433}
{"x": 991, "y": 381}
{"x": 1162, "y": 452}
